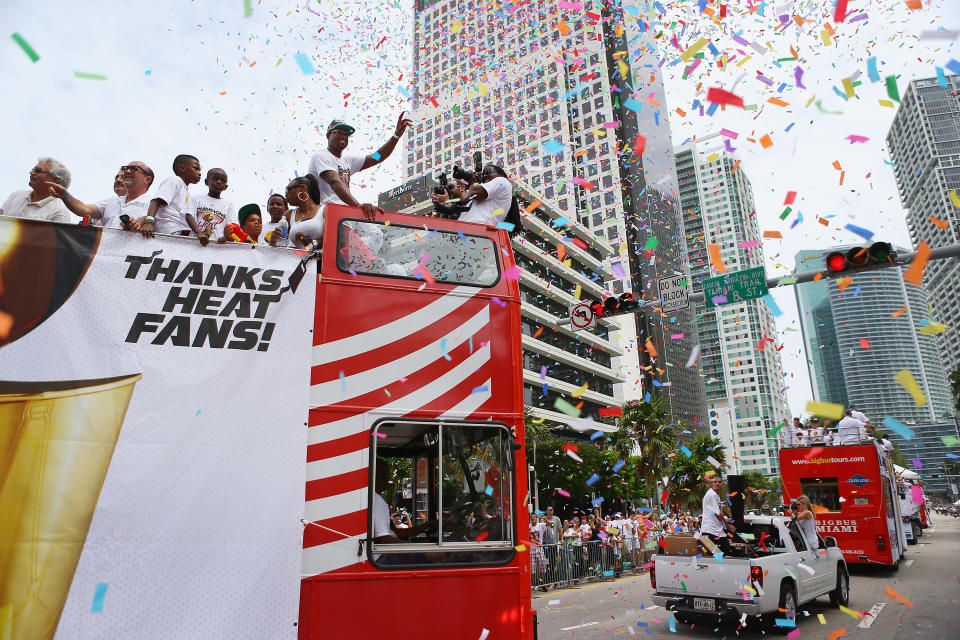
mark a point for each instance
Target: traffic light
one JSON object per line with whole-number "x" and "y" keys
{"x": 614, "y": 305}
{"x": 858, "y": 257}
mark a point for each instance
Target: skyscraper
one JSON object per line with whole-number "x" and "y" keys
{"x": 570, "y": 102}
{"x": 859, "y": 337}
{"x": 924, "y": 142}
{"x": 739, "y": 356}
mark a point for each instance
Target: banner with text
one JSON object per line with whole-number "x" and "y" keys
{"x": 153, "y": 397}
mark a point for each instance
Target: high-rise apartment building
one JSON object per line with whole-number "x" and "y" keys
{"x": 571, "y": 103}
{"x": 554, "y": 258}
{"x": 924, "y": 143}
{"x": 739, "y": 356}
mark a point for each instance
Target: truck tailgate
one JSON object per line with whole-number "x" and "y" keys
{"x": 705, "y": 575}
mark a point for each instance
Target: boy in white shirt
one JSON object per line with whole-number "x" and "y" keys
{"x": 211, "y": 212}
{"x": 170, "y": 209}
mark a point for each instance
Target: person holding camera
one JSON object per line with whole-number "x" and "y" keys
{"x": 492, "y": 196}
{"x": 448, "y": 199}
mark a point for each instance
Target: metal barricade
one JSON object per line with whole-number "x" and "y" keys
{"x": 563, "y": 565}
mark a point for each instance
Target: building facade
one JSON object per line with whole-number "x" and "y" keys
{"x": 739, "y": 356}
{"x": 554, "y": 256}
{"x": 924, "y": 144}
{"x": 571, "y": 104}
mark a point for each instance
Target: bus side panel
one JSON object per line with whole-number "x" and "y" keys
{"x": 862, "y": 515}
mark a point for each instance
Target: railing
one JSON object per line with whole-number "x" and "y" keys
{"x": 564, "y": 565}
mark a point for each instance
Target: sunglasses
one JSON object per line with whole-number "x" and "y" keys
{"x": 39, "y": 170}
{"x": 131, "y": 167}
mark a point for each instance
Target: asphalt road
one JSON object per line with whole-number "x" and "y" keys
{"x": 929, "y": 577}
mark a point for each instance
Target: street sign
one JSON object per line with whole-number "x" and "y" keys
{"x": 735, "y": 287}
{"x": 673, "y": 292}
{"x": 581, "y": 315}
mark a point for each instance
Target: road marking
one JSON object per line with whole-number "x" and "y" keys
{"x": 871, "y": 616}
{"x": 908, "y": 563}
{"x": 580, "y": 626}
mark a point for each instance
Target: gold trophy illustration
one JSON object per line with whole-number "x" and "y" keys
{"x": 56, "y": 442}
{"x": 56, "y": 437}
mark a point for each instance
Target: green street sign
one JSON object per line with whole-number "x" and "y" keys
{"x": 735, "y": 287}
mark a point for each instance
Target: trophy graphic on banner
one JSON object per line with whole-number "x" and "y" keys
{"x": 56, "y": 437}
{"x": 56, "y": 442}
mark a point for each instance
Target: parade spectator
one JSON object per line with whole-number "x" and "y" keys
{"x": 211, "y": 212}
{"x": 586, "y": 531}
{"x": 118, "y": 187}
{"x": 571, "y": 533}
{"x": 276, "y": 228}
{"x": 112, "y": 212}
{"x": 170, "y": 209}
{"x": 492, "y": 198}
{"x": 306, "y": 221}
{"x": 39, "y": 202}
{"x": 553, "y": 530}
{"x": 333, "y": 168}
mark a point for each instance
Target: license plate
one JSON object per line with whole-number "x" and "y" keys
{"x": 703, "y": 604}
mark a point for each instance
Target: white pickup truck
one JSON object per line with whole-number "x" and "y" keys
{"x": 770, "y": 567}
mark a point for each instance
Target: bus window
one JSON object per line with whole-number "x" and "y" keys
{"x": 823, "y": 492}
{"x": 373, "y": 248}
{"x": 459, "y": 497}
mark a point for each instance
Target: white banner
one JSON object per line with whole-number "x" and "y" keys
{"x": 186, "y": 502}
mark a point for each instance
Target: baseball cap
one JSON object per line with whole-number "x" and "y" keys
{"x": 246, "y": 210}
{"x": 340, "y": 124}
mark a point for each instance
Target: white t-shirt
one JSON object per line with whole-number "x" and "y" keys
{"x": 345, "y": 166}
{"x": 312, "y": 227}
{"x": 711, "y": 508}
{"x": 887, "y": 446}
{"x": 497, "y": 203}
{"x": 859, "y": 416}
{"x": 273, "y": 226}
{"x": 18, "y": 205}
{"x": 850, "y": 430}
{"x": 585, "y": 532}
{"x": 172, "y": 217}
{"x": 213, "y": 215}
{"x": 112, "y": 208}
{"x": 536, "y": 532}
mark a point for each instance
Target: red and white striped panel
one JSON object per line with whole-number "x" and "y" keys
{"x": 426, "y": 362}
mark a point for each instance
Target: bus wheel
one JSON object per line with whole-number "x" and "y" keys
{"x": 841, "y": 595}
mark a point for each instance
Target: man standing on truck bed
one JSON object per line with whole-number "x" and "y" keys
{"x": 712, "y": 523}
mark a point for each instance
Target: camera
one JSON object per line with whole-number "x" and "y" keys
{"x": 441, "y": 187}
{"x": 125, "y": 221}
{"x": 460, "y": 173}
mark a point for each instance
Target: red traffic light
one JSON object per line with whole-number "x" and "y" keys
{"x": 836, "y": 261}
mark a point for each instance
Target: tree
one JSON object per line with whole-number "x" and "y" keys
{"x": 687, "y": 472}
{"x": 954, "y": 378}
{"x": 760, "y": 488}
{"x": 646, "y": 431}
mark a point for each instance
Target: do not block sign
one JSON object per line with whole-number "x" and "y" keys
{"x": 673, "y": 292}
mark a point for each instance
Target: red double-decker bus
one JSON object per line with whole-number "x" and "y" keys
{"x": 415, "y": 464}
{"x": 853, "y": 490}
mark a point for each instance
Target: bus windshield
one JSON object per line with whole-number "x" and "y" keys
{"x": 416, "y": 253}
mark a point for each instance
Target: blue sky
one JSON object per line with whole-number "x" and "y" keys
{"x": 198, "y": 77}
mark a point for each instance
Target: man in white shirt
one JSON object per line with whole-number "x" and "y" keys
{"x": 712, "y": 523}
{"x": 137, "y": 178}
{"x": 850, "y": 430}
{"x": 858, "y": 415}
{"x": 384, "y": 531}
{"x": 491, "y": 199}
{"x": 39, "y": 202}
{"x": 814, "y": 431}
{"x": 333, "y": 168}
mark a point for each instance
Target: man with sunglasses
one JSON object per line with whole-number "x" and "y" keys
{"x": 116, "y": 212}
{"x": 39, "y": 202}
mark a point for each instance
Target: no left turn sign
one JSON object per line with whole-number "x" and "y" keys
{"x": 581, "y": 316}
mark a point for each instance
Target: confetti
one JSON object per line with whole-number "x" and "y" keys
{"x": 27, "y": 49}
{"x": 304, "y": 63}
{"x": 98, "y": 596}
{"x": 88, "y": 76}
{"x": 825, "y": 409}
{"x": 716, "y": 261}
{"x": 890, "y": 593}
{"x": 906, "y": 380}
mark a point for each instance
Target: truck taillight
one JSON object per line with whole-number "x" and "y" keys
{"x": 653, "y": 576}
{"x": 881, "y": 542}
{"x": 756, "y": 575}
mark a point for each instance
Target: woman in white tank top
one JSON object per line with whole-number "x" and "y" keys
{"x": 806, "y": 520}
{"x": 306, "y": 221}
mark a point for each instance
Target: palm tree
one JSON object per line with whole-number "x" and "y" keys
{"x": 759, "y": 487}
{"x": 645, "y": 430}
{"x": 687, "y": 473}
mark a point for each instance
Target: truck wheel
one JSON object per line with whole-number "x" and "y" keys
{"x": 841, "y": 595}
{"x": 788, "y": 602}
